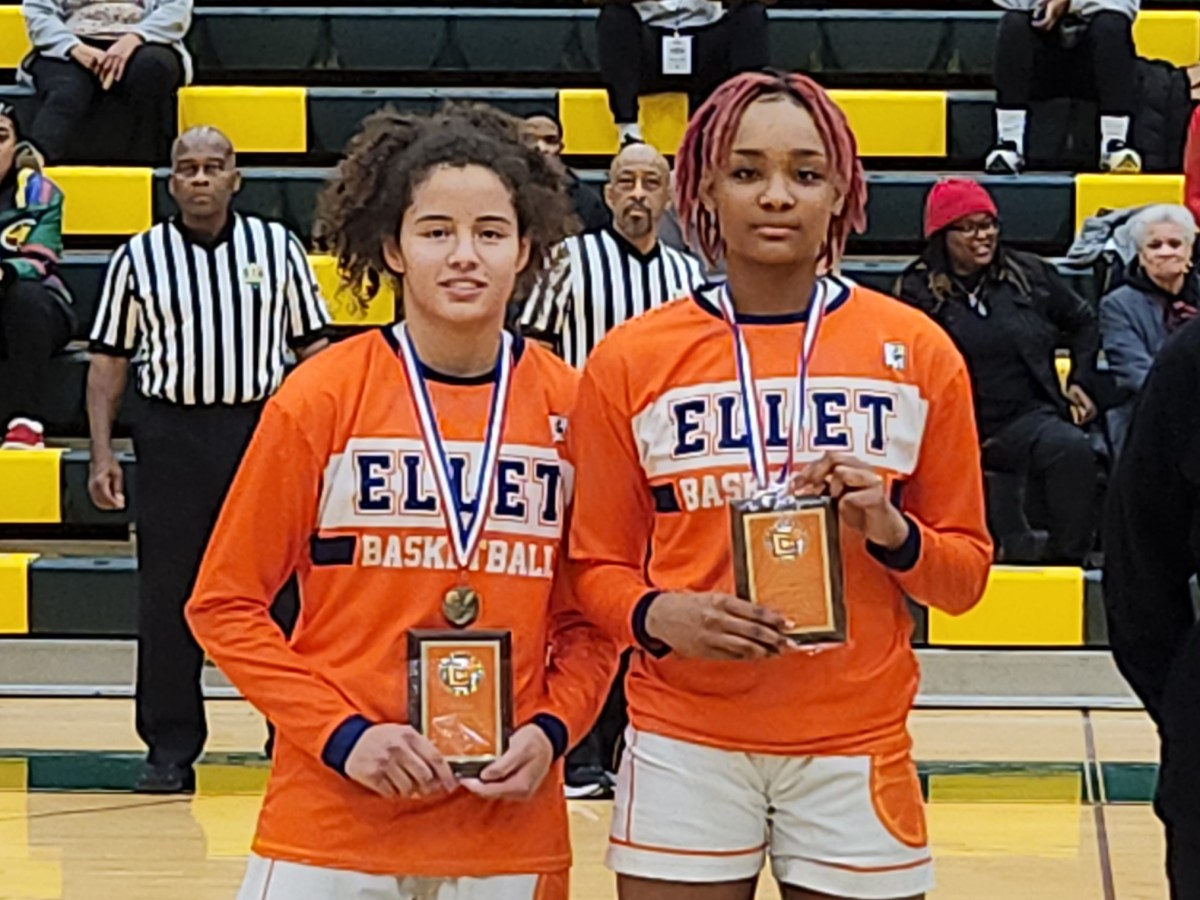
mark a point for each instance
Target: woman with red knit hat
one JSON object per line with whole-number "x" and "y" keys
{"x": 1008, "y": 312}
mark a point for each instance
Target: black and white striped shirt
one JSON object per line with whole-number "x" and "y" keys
{"x": 210, "y": 323}
{"x": 597, "y": 281}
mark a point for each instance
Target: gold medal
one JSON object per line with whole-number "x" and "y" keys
{"x": 461, "y": 606}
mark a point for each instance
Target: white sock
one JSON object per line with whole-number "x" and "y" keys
{"x": 629, "y": 132}
{"x": 1010, "y": 126}
{"x": 1113, "y": 128}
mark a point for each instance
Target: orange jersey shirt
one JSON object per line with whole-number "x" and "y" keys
{"x": 336, "y": 485}
{"x": 659, "y": 445}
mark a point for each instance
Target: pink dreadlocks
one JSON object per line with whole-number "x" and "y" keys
{"x": 709, "y": 140}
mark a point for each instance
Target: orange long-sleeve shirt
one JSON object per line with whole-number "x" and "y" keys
{"x": 336, "y": 485}
{"x": 659, "y": 444}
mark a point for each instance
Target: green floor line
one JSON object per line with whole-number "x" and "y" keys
{"x": 221, "y": 774}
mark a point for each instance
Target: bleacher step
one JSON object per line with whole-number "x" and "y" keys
{"x": 994, "y": 679}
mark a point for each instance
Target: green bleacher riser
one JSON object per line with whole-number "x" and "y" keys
{"x": 83, "y": 597}
{"x": 1038, "y": 210}
{"x": 835, "y": 44}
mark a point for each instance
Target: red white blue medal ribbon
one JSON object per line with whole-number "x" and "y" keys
{"x": 756, "y": 437}
{"x": 465, "y": 529}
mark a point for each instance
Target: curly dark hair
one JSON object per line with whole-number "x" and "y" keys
{"x": 391, "y": 156}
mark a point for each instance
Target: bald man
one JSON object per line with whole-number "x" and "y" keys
{"x": 213, "y": 304}
{"x": 603, "y": 277}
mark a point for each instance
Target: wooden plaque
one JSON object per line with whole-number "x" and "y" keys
{"x": 460, "y": 694}
{"x": 790, "y": 560}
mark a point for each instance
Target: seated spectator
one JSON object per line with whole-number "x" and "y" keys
{"x": 544, "y": 132}
{"x": 1066, "y": 48}
{"x": 1008, "y": 311}
{"x": 84, "y": 49}
{"x": 35, "y": 307}
{"x": 1160, "y": 294}
{"x": 691, "y": 46}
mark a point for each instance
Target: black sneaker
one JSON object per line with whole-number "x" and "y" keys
{"x": 165, "y": 778}
{"x": 588, "y": 783}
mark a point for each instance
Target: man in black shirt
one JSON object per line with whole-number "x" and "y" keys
{"x": 1152, "y": 550}
{"x": 544, "y": 133}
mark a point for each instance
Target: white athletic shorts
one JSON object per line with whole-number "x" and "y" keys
{"x": 272, "y": 879}
{"x": 850, "y": 826}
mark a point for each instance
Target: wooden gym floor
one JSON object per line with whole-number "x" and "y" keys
{"x": 1032, "y": 805}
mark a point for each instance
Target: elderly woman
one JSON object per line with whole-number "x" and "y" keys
{"x": 131, "y": 49}
{"x": 1160, "y": 293}
{"x": 1008, "y": 312}
{"x": 35, "y": 308}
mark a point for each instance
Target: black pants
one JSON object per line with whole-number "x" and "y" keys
{"x": 33, "y": 326}
{"x": 1178, "y": 799}
{"x": 1059, "y": 468}
{"x": 599, "y": 749}
{"x": 187, "y": 458}
{"x": 1034, "y": 65}
{"x": 138, "y": 112}
{"x": 631, "y": 55}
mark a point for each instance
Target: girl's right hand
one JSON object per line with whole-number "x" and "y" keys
{"x": 398, "y": 761}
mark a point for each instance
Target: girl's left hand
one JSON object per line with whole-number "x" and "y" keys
{"x": 863, "y": 501}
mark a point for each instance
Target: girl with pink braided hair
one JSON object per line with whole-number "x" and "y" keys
{"x": 746, "y": 740}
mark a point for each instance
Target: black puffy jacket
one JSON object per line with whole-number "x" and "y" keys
{"x": 1164, "y": 108}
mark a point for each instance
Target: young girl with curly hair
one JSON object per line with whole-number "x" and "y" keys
{"x": 414, "y": 478}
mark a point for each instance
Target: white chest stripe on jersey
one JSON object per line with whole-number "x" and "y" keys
{"x": 381, "y": 483}
{"x": 701, "y": 427}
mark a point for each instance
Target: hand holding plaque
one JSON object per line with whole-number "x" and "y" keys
{"x": 864, "y": 502}
{"x": 787, "y": 557}
{"x": 460, "y": 695}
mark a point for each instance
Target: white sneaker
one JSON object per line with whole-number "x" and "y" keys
{"x": 1120, "y": 159}
{"x": 1005, "y": 159}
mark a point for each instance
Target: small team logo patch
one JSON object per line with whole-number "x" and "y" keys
{"x": 558, "y": 428}
{"x": 895, "y": 356}
{"x": 253, "y": 274}
{"x": 16, "y": 234}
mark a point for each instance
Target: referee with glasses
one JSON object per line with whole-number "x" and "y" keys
{"x": 209, "y": 303}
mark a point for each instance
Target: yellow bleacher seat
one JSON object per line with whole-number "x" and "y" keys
{"x": 256, "y": 119}
{"x": 30, "y": 487}
{"x": 14, "y": 39}
{"x": 14, "y": 593}
{"x": 1096, "y": 192}
{"x": 896, "y": 123}
{"x": 343, "y": 308}
{"x": 105, "y": 199}
{"x": 886, "y": 123}
{"x": 1021, "y": 607}
{"x": 589, "y": 128}
{"x": 1170, "y": 34}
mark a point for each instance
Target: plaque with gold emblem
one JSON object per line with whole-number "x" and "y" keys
{"x": 460, "y": 694}
{"x": 787, "y": 557}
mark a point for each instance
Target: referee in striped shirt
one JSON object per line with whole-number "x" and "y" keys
{"x": 209, "y": 303}
{"x": 601, "y": 278}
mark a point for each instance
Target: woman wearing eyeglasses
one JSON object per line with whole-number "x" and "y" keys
{"x": 1009, "y": 312}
